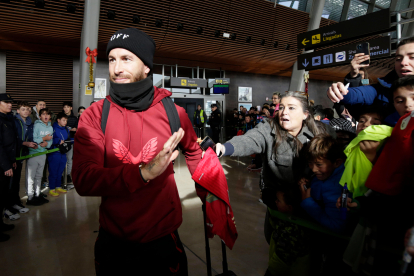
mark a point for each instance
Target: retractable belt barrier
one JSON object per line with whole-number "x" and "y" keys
{"x": 40, "y": 153}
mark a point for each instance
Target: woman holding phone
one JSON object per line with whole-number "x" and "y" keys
{"x": 279, "y": 141}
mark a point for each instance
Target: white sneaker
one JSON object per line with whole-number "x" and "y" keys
{"x": 10, "y": 215}
{"x": 21, "y": 209}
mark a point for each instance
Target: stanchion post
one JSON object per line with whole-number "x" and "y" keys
{"x": 65, "y": 177}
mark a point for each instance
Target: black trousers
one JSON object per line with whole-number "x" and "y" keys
{"x": 164, "y": 256}
{"x": 216, "y": 134}
{"x": 13, "y": 196}
{"x": 4, "y": 190}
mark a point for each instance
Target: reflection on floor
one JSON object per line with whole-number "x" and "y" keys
{"x": 58, "y": 238}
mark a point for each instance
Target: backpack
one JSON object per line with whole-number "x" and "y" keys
{"x": 169, "y": 106}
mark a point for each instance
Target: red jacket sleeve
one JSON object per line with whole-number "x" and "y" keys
{"x": 188, "y": 144}
{"x": 90, "y": 177}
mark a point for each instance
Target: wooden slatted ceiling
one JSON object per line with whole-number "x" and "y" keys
{"x": 34, "y": 76}
{"x": 256, "y": 18}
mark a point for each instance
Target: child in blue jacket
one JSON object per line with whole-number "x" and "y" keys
{"x": 325, "y": 156}
{"x": 57, "y": 160}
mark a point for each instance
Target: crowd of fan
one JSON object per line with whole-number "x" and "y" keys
{"x": 364, "y": 151}
{"x": 31, "y": 134}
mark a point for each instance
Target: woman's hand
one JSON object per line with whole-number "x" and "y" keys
{"x": 369, "y": 148}
{"x": 220, "y": 149}
{"x": 61, "y": 142}
{"x": 32, "y": 145}
{"x": 43, "y": 144}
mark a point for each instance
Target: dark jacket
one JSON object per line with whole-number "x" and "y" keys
{"x": 59, "y": 133}
{"x": 72, "y": 123}
{"x": 321, "y": 206}
{"x": 24, "y": 134}
{"x": 8, "y": 142}
{"x": 378, "y": 94}
{"x": 215, "y": 118}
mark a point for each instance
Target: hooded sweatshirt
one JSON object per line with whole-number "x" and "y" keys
{"x": 24, "y": 130}
{"x": 40, "y": 130}
{"x": 107, "y": 165}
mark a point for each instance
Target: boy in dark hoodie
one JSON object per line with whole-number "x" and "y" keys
{"x": 73, "y": 125}
{"x": 24, "y": 127}
{"x": 57, "y": 160}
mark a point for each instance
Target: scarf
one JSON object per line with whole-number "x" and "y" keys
{"x": 136, "y": 96}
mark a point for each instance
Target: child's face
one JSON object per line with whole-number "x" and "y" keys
{"x": 281, "y": 204}
{"x": 81, "y": 111}
{"x": 67, "y": 109}
{"x": 322, "y": 168}
{"x": 367, "y": 120}
{"x": 45, "y": 117}
{"x": 247, "y": 119}
{"x": 62, "y": 122}
{"x": 240, "y": 117}
{"x": 404, "y": 100}
{"x": 24, "y": 111}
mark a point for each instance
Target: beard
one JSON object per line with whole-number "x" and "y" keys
{"x": 133, "y": 78}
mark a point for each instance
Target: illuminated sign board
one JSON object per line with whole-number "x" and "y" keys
{"x": 370, "y": 24}
{"x": 379, "y": 48}
{"x": 187, "y": 82}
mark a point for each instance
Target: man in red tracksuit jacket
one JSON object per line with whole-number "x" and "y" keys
{"x": 130, "y": 166}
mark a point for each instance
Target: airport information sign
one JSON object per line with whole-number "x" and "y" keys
{"x": 370, "y": 24}
{"x": 187, "y": 82}
{"x": 379, "y": 48}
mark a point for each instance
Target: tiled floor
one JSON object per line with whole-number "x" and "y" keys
{"x": 58, "y": 238}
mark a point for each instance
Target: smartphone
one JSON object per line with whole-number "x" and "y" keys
{"x": 363, "y": 48}
{"x": 207, "y": 143}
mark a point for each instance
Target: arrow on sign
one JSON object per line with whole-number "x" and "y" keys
{"x": 306, "y": 63}
{"x": 304, "y": 41}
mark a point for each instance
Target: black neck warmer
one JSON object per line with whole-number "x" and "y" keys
{"x": 136, "y": 96}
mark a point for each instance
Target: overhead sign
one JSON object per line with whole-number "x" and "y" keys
{"x": 187, "y": 82}
{"x": 370, "y": 24}
{"x": 379, "y": 48}
{"x": 223, "y": 81}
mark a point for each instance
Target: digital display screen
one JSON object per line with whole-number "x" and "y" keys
{"x": 220, "y": 89}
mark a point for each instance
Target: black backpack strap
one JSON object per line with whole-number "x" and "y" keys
{"x": 172, "y": 114}
{"x": 105, "y": 113}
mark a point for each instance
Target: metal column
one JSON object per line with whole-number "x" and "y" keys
{"x": 2, "y": 72}
{"x": 89, "y": 39}
{"x": 297, "y": 82}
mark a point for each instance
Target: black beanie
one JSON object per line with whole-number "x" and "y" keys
{"x": 135, "y": 41}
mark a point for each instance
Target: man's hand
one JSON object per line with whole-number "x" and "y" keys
{"x": 32, "y": 145}
{"x": 9, "y": 172}
{"x": 48, "y": 137}
{"x": 14, "y": 165}
{"x": 356, "y": 64}
{"x": 43, "y": 144}
{"x": 73, "y": 129}
{"x": 410, "y": 249}
{"x": 160, "y": 162}
{"x": 369, "y": 148}
{"x": 336, "y": 92}
{"x": 61, "y": 142}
